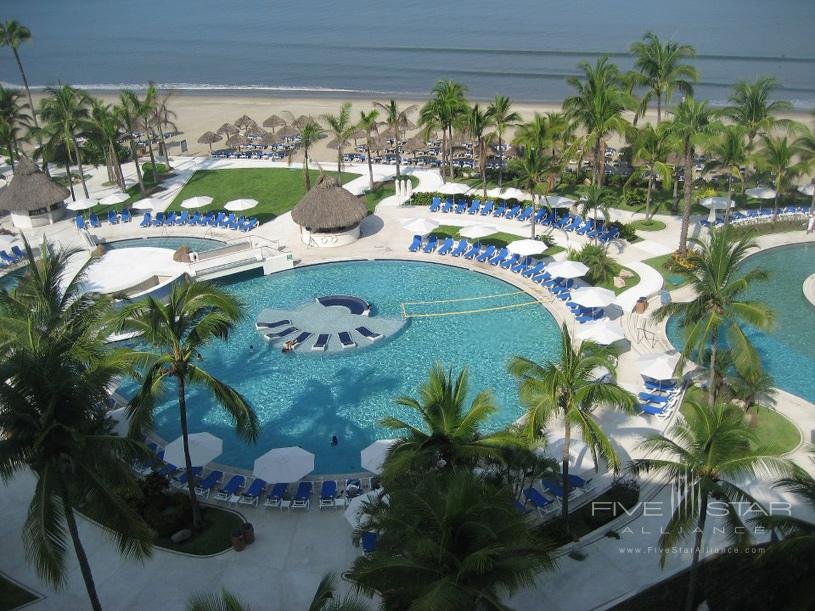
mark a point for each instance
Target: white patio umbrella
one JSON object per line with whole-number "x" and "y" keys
{"x": 526, "y": 247}
{"x": 82, "y": 204}
{"x": 119, "y": 416}
{"x": 453, "y": 188}
{"x": 8, "y": 240}
{"x": 284, "y": 464}
{"x": 420, "y": 226}
{"x": 580, "y": 458}
{"x": 354, "y": 511}
{"x": 593, "y": 297}
{"x": 603, "y": 332}
{"x": 659, "y": 365}
{"x": 494, "y": 192}
{"x": 204, "y": 448}
{"x": 374, "y": 455}
{"x": 513, "y": 193}
{"x": 114, "y": 198}
{"x": 197, "y": 202}
{"x": 716, "y": 203}
{"x": 557, "y": 201}
{"x": 760, "y": 193}
{"x": 148, "y": 203}
{"x": 474, "y": 232}
{"x": 236, "y": 205}
{"x": 567, "y": 269}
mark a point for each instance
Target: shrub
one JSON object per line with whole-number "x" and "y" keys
{"x": 633, "y": 198}
{"x": 680, "y": 263}
{"x": 601, "y": 266}
{"x": 627, "y": 231}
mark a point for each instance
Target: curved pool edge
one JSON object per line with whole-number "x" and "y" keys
{"x": 809, "y": 289}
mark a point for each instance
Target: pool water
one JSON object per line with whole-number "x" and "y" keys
{"x": 788, "y": 351}
{"x": 174, "y": 243}
{"x": 305, "y": 398}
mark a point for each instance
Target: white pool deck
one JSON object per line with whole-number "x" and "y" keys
{"x": 294, "y": 550}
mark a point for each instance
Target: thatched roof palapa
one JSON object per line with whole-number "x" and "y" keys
{"x": 228, "y": 129}
{"x": 328, "y": 207}
{"x": 30, "y": 189}
{"x": 238, "y": 140}
{"x": 209, "y": 138}
{"x": 245, "y": 121}
{"x": 273, "y": 121}
{"x": 286, "y": 132}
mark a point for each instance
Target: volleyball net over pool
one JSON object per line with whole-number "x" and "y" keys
{"x": 468, "y": 305}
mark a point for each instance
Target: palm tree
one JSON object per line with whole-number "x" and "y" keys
{"x": 195, "y": 314}
{"x": 342, "y": 129}
{"x": 12, "y": 118}
{"x": 598, "y": 106}
{"x": 503, "y": 118}
{"x": 130, "y": 113}
{"x": 805, "y": 144}
{"x": 162, "y": 118}
{"x": 532, "y": 169}
{"x": 64, "y": 110}
{"x": 225, "y": 601}
{"x": 661, "y": 70}
{"x": 719, "y": 307}
{"x": 753, "y": 388}
{"x": 451, "y": 435}
{"x": 692, "y": 125}
{"x": 777, "y": 156}
{"x": 367, "y": 123}
{"x": 568, "y": 390}
{"x": 729, "y": 153}
{"x": 397, "y": 121}
{"x": 703, "y": 455}
{"x": 535, "y": 133}
{"x": 55, "y": 367}
{"x": 325, "y": 598}
{"x": 595, "y": 199}
{"x": 750, "y": 107}
{"x": 105, "y": 127}
{"x": 145, "y": 111}
{"x": 476, "y": 122}
{"x": 444, "y": 110}
{"x": 451, "y": 541}
{"x": 651, "y": 148}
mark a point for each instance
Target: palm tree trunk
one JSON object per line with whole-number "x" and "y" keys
{"x": 30, "y": 106}
{"x": 697, "y": 547}
{"x": 164, "y": 148}
{"x": 117, "y": 167}
{"x": 687, "y": 189}
{"x": 599, "y": 163}
{"x": 79, "y": 164}
{"x": 564, "y": 503}
{"x": 182, "y": 412}
{"x": 68, "y": 172}
{"x": 659, "y": 108}
{"x": 648, "y": 199}
{"x": 152, "y": 158}
{"x": 777, "y": 194}
{"x": 714, "y": 347}
{"x": 500, "y": 162}
{"x": 675, "y": 194}
{"x": 339, "y": 166}
{"x": 534, "y": 212}
{"x": 306, "y": 176}
{"x": 443, "y": 152}
{"x": 396, "y": 143}
{"x": 135, "y": 156}
{"x": 81, "y": 556}
{"x": 370, "y": 164}
{"x": 729, "y": 197}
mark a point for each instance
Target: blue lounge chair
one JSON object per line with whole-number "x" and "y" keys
{"x": 664, "y": 385}
{"x": 195, "y": 219}
{"x": 271, "y": 325}
{"x": 159, "y": 220}
{"x": 553, "y": 487}
{"x": 236, "y": 223}
{"x": 126, "y": 217}
{"x": 300, "y": 338}
{"x": 448, "y": 205}
{"x": 368, "y": 334}
{"x": 183, "y": 218}
{"x": 649, "y": 397}
{"x": 446, "y": 247}
{"x": 279, "y": 334}
{"x": 250, "y": 224}
{"x": 516, "y": 209}
{"x": 461, "y": 206}
{"x": 611, "y": 234}
{"x": 113, "y": 218}
{"x": 7, "y": 258}
{"x": 252, "y": 494}
{"x": 488, "y": 252}
{"x": 585, "y": 227}
{"x": 416, "y": 244}
{"x": 431, "y": 244}
{"x": 207, "y": 219}
{"x": 576, "y": 222}
{"x": 206, "y": 485}
{"x": 540, "y": 502}
{"x": 94, "y": 220}
{"x": 276, "y": 495}
{"x": 226, "y": 220}
{"x": 460, "y": 248}
{"x": 474, "y": 206}
{"x": 19, "y": 254}
{"x": 146, "y": 220}
{"x": 218, "y": 220}
{"x": 473, "y": 252}
{"x": 435, "y": 204}
{"x": 368, "y": 542}
{"x": 511, "y": 261}
{"x": 183, "y": 478}
{"x": 79, "y": 221}
{"x": 526, "y": 214}
{"x": 540, "y": 216}
{"x": 533, "y": 271}
{"x": 345, "y": 339}
{"x": 233, "y": 486}
{"x": 328, "y": 492}
{"x": 168, "y": 470}
{"x": 302, "y": 498}
{"x": 497, "y": 259}
{"x": 652, "y": 410}
{"x": 322, "y": 341}
{"x": 499, "y": 211}
{"x": 522, "y": 265}
{"x": 487, "y": 209}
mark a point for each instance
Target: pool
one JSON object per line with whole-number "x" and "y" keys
{"x": 305, "y": 398}
{"x": 171, "y": 242}
{"x": 788, "y": 352}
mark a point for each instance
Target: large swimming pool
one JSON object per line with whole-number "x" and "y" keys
{"x": 305, "y": 398}
{"x": 788, "y": 352}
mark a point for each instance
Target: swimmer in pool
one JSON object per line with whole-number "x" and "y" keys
{"x": 334, "y": 440}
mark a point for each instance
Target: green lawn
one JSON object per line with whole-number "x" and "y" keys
{"x": 12, "y": 595}
{"x": 276, "y": 189}
{"x": 648, "y": 225}
{"x": 629, "y": 282}
{"x": 499, "y": 240}
{"x": 218, "y": 526}
{"x": 383, "y": 190}
{"x": 673, "y": 280}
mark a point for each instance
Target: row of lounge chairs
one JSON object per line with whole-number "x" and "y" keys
{"x": 322, "y": 341}
{"x": 758, "y": 215}
{"x": 227, "y": 154}
{"x": 546, "y": 502}
{"x": 660, "y": 397}
{"x": 113, "y": 217}
{"x": 16, "y": 256}
{"x": 224, "y": 220}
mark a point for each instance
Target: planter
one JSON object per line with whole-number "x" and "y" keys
{"x": 641, "y": 305}
{"x": 248, "y": 533}
{"x": 238, "y": 542}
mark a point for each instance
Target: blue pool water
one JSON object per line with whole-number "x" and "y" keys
{"x": 197, "y": 244}
{"x": 788, "y": 352}
{"x": 305, "y": 398}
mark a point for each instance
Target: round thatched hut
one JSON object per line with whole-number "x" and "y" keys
{"x": 329, "y": 215}
{"x": 32, "y": 198}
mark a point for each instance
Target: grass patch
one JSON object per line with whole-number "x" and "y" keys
{"x": 648, "y": 225}
{"x": 12, "y": 595}
{"x": 783, "y": 226}
{"x": 214, "y": 538}
{"x": 383, "y": 190}
{"x": 629, "y": 282}
{"x": 673, "y": 280}
{"x": 499, "y": 240}
{"x": 276, "y": 189}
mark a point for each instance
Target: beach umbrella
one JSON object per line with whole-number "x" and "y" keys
{"x": 287, "y": 131}
{"x": 603, "y": 332}
{"x": 526, "y": 247}
{"x": 7, "y": 240}
{"x": 268, "y": 139}
{"x": 474, "y": 232}
{"x": 209, "y": 138}
{"x": 494, "y": 192}
{"x": 453, "y": 188}
{"x": 807, "y": 189}
{"x": 716, "y": 203}
{"x": 256, "y": 132}
{"x": 761, "y": 193}
{"x": 245, "y": 121}
{"x": 114, "y": 198}
{"x": 197, "y": 202}
{"x": 354, "y": 512}
{"x": 238, "y": 140}
{"x": 284, "y": 464}
{"x": 659, "y": 365}
{"x": 557, "y": 201}
{"x": 274, "y": 121}
{"x": 82, "y": 204}
{"x": 513, "y": 193}
{"x": 420, "y": 226}
{"x": 567, "y": 269}
{"x": 204, "y": 448}
{"x": 373, "y": 456}
{"x": 148, "y": 203}
{"x": 237, "y": 205}
{"x": 593, "y": 297}
{"x": 227, "y": 129}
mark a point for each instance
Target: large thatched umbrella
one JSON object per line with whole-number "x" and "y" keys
{"x": 209, "y": 138}
{"x": 32, "y": 198}
{"x": 328, "y": 208}
{"x": 268, "y": 139}
{"x": 227, "y": 129}
{"x": 415, "y": 144}
{"x": 238, "y": 140}
{"x": 245, "y": 122}
{"x": 256, "y": 131}
{"x": 273, "y": 122}
{"x": 286, "y": 131}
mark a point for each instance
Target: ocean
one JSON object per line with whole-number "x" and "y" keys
{"x": 520, "y": 48}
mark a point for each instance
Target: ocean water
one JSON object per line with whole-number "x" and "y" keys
{"x": 520, "y": 48}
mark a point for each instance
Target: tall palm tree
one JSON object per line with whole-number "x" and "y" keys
{"x": 568, "y": 390}
{"x": 195, "y": 314}
{"x": 444, "y": 109}
{"x": 130, "y": 113}
{"x": 55, "y": 367}
{"x": 692, "y": 125}
{"x": 105, "y": 127}
{"x": 367, "y": 123}
{"x": 325, "y": 598}
{"x": 451, "y": 541}
{"x": 662, "y": 71}
{"x": 397, "y": 121}
{"x": 536, "y": 133}
{"x": 750, "y": 107}
{"x": 13, "y": 118}
{"x": 753, "y": 388}
{"x": 503, "y": 117}
{"x": 596, "y": 200}
{"x": 651, "y": 146}
{"x": 805, "y": 143}
{"x": 476, "y": 123}
{"x": 64, "y": 110}
{"x": 145, "y": 111}
{"x": 728, "y": 152}
{"x": 310, "y": 133}
{"x": 704, "y": 454}
{"x": 532, "y": 168}
{"x": 778, "y": 155}
{"x": 341, "y": 127}
{"x": 163, "y": 118}
{"x": 598, "y": 106}
{"x": 719, "y": 307}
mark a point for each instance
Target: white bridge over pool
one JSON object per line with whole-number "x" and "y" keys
{"x": 240, "y": 255}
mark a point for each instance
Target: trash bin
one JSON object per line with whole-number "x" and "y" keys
{"x": 248, "y": 533}
{"x": 641, "y": 305}
{"x": 238, "y": 542}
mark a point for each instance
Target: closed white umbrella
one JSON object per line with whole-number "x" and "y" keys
{"x": 354, "y": 512}
{"x": 659, "y": 366}
{"x": 204, "y": 448}
{"x": 82, "y": 204}
{"x": 122, "y": 422}
{"x": 374, "y": 455}
{"x": 420, "y": 226}
{"x": 527, "y": 247}
{"x": 513, "y": 193}
{"x": 593, "y": 297}
{"x": 114, "y": 198}
{"x": 197, "y": 202}
{"x": 236, "y": 205}
{"x": 807, "y": 189}
{"x": 557, "y": 201}
{"x": 603, "y": 332}
{"x": 284, "y": 464}
{"x": 453, "y": 188}
{"x": 148, "y": 203}
{"x": 567, "y": 269}
{"x": 580, "y": 457}
{"x": 761, "y": 193}
{"x": 474, "y": 232}
{"x": 716, "y": 203}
